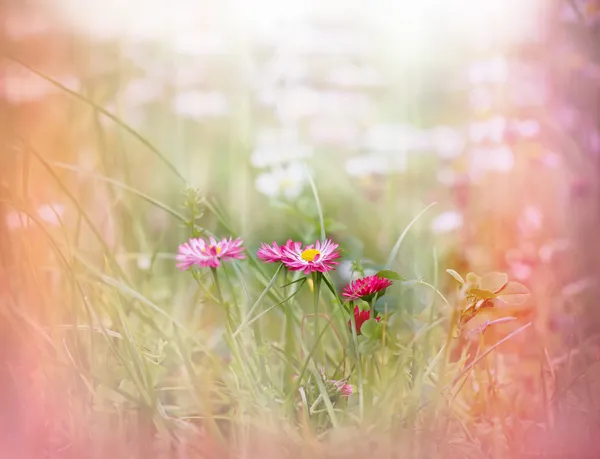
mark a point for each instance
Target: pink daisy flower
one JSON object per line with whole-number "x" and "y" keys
{"x": 272, "y": 253}
{"x": 318, "y": 257}
{"x": 208, "y": 254}
{"x": 365, "y": 287}
{"x": 360, "y": 317}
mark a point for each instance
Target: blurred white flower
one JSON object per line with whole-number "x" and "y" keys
{"x": 144, "y": 261}
{"x": 492, "y": 129}
{"x": 447, "y": 176}
{"x": 446, "y": 141}
{"x": 140, "y": 91}
{"x": 309, "y": 39}
{"x": 525, "y": 128}
{"x": 282, "y": 181}
{"x": 185, "y": 73}
{"x": 302, "y": 101}
{"x": 198, "y": 42}
{"x": 388, "y": 137}
{"x": 446, "y": 222}
{"x": 449, "y": 143}
{"x": 421, "y": 140}
{"x": 354, "y": 76}
{"x": 296, "y": 103}
{"x": 199, "y": 104}
{"x": 334, "y": 131}
{"x": 482, "y": 160}
{"x": 363, "y": 165}
{"x": 489, "y": 71}
{"x": 290, "y": 68}
{"x": 277, "y": 146}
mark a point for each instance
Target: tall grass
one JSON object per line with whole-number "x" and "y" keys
{"x": 111, "y": 350}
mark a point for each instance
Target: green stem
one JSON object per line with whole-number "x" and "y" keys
{"x": 361, "y": 396}
{"x": 236, "y": 313}
{"x": 217, "y": 285}
{"x": 311, "y": 410}
{"x": 220, "y": 294}
{"x": 317, "y": 289}
{"x": 289, "y": 331}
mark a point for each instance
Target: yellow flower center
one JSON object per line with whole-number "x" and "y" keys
{"x": 217, "y": 249}
{"x": 310, "y": 254}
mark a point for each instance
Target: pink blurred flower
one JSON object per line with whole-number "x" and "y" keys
{"x": 318, "y": 257}
{"x": 360, "y": 317}
{"x": 343, "y": 387}
{"x": 365, "y": 287}
{"x": 199, "y": 252}
{"x": 272, "y": 253}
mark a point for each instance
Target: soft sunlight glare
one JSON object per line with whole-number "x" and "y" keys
{"x": 412, "y": 22}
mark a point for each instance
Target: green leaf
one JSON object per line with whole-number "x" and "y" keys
{"x": 456, "y": 276}
{"x": 493, "y": 282}
{"x": 514, "y": 293}
{"x": 389, "y": 274}
{"x": 371, "y": 329}
{"x": 481, "y": 293}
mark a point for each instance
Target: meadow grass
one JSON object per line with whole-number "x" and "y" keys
{"x": 239, "y": 361}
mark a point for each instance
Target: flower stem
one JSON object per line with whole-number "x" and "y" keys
{"x": 289, "y": 330}
{"x": 361, "y": 397}
{"x": 317, "y": 290}
{"x": 217, "y": 285}
{"x": 220, "y": 294}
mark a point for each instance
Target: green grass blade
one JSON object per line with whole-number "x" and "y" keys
{"x": 246, "y": 320}
{"x": 106, "y": 113}
{"x": 317, "y": 202}
{"x": 396, "y": 248}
